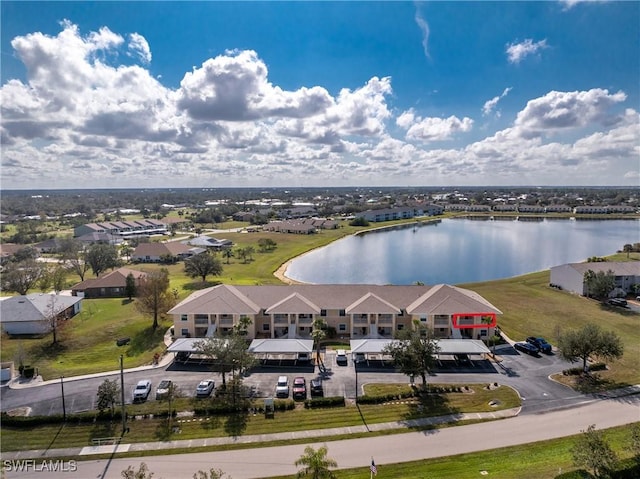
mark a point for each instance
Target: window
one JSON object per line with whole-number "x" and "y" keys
{"x": 184, "y": 332}
{"x": 400, "y": 327}
{"x": 483, "y": 332}
{"x": 342, "y": 327}
{"x": 323, "y": 312}
{"x": 423, "y": 319}
{"x": 342, "y": 312}
{"x": 183, "y": 317}
{"x": 266, "y": 327}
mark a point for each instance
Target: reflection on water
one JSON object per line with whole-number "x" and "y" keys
{"x": 461, "y": 251}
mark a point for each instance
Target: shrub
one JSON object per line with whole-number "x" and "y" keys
{"x": 332, "y": 401}
{"x": 28, "y": 371}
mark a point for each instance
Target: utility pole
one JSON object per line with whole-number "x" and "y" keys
{"x": 64, "y": 408}
{"x": 124, "y": 412}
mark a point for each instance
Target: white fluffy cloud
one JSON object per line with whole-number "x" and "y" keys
{"x": 557, "y": 111}
{"x": 83, "y": 118}
{"x": 432, "y": 129}
{"x": 516, "y": 52}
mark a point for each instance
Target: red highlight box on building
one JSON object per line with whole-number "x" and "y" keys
{"x": 484, "y": 325}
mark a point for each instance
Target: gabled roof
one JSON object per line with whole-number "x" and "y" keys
{"x": 415, "y": 299}
{"x": 114, "y": 279}
{"x": 34, "y": 307}
{"x": 445, "y": 299}
{"x": 222, "y": 298}
{"x": 173, "y": 248}
{"x": 294, "y": 303}
{"x": 619, "y": 268}
{"x": 372, "y": 303}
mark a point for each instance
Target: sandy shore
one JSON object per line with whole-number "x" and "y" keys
{"x": 281, "y": 273}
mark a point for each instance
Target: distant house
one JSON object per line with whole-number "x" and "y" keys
{"x": 160, "y": 252}
{"x": 124, "y": 229}
{"x": 570, "y": 276}
{"x": 51, "y": 245}
{"x": 204, "y": 241}
{"x": 31, "y": 314}
{"x": 99, "y": 238}
{"x": 290, "y": 226}
{"x": 111, "y": 285}
{"x": 7, "y": 250}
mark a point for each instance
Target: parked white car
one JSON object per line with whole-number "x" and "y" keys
{"x": 142, "y": 390}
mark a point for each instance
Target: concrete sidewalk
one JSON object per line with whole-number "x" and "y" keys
{"x": 253, "y": 439}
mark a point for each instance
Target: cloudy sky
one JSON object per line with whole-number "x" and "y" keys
{"x": 208, "y": 94}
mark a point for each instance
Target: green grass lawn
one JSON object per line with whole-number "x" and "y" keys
{"x": 87, "y": 343}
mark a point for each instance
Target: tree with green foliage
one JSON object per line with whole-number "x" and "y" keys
{"x": 316, "y": 464}
{"x": 20, "y": 277}
{"x": 59, "y": 278}
{"x": 266, "y": 244}
{"x": 414, "y": 351}
{"x": 108, "y": 395}
{"x": 101, "y": 257}
{"x": 590, "y": 341}
{"x": 593, "y": 452}
{"x": 599, "y": 284}
{"x": 154, "y": 298}
{"x": 142, "y": 472}
{"x": 203, "y": 265}
{"x": 130, "y": 286}
{"x": 228, "y": 253}
{"x": 229, "y": 352}
{"x": 627, "y": 248}
{"x": 359, "y": 221}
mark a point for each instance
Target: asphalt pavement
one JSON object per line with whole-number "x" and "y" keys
{"x": 277, "y": 461}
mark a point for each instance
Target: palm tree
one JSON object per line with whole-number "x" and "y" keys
{"x": 316, "y": 464}
{"x": 318, "y": 333}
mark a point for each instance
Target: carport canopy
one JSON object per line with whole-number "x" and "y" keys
{"x": 447, "y": 346}
{"x": 281, "y": 346}
{"x": 184, "y": 345}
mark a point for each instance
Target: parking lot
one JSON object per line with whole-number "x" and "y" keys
{"x": 527, "y": 374}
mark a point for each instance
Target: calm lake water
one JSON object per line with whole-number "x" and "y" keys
{"x": 460, "y": 251}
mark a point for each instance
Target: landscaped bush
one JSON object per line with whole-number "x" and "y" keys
{"x": 333, "y": 401}
{"x": 378, "y": 399}
{"x": 578, "y": 370}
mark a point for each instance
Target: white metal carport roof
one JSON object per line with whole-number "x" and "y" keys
{"x": 447, "y": 346}
{"x": 284, "y": 346}
{"x": 184, "y": 345}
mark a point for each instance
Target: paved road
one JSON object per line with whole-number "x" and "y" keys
{"x": 276, "y": 461}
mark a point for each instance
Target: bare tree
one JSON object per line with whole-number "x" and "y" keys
{"x": 154, "y": 298}
{"x": 20, "y": 277}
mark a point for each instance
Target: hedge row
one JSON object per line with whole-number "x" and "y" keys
{"x": 79, "y": 418}
{"x": 332, "y": 401}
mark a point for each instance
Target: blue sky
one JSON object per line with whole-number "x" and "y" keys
{"x": 213, "y": 94}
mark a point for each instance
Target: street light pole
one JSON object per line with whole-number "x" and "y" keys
{"x": 124, "y": 413}
{"x": 355, "y": 365}
{"x": 64, "y": 408}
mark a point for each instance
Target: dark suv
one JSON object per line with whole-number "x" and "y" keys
{"x": 316, "y": 387}
{"x": 540, "y": 343}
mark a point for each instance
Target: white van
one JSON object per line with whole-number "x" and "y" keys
{"x": 282, "y": 387}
